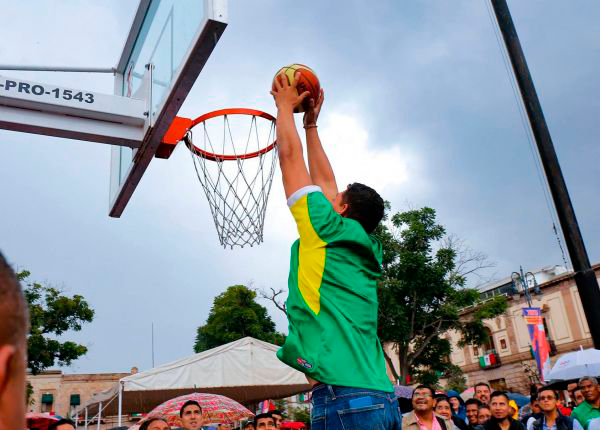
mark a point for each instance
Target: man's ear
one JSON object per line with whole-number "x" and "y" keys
{"x": 344, "y": 209}
{"x": 7, "y": 354}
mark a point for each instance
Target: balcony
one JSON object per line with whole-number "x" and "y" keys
{"x": 491, "y": 360}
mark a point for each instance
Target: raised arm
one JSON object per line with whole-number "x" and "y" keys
{"x": 318, "y": 163}
{"x": 293, "y": 168}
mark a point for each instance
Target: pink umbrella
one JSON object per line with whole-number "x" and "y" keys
{"x": 468, "y": 393}
{"x": 215, "y": 409}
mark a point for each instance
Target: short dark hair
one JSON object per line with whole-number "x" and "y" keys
{"x": 442, "y": 398}
{"x": 276, "y": 412}
{"x": 473, "y": 401}
{"x": 547, "y": 388}
{"x": 365, "y": 205}
{"x": 147, "y": 423}
{"x": 418, "y": 387}
{"x": 188, "y": 403}
{"x": 249, "y": 424}
{"x": 577, "y": 388}
{"x": 60, "y": 422}
{"x": 483, "y": 406}
{"x": 482, "y": 384}
{"x": 500, "y": 394}
{"x": 13, "y": 307}
{"x": 261, "y": 416}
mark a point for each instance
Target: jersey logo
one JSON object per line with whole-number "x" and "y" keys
{"x": 302, "y": 362}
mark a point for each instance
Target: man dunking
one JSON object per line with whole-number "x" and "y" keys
{"x": 332, "y": 301}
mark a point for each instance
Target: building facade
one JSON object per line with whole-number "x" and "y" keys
{"x": 59, "y": 393}
{"x": 506, "y": 361}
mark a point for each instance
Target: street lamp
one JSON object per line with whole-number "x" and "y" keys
{"x": 540, "y": 346}
{"x": 523, "y": 279}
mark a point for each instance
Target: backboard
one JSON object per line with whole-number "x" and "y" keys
{"x": 165, "y": 51}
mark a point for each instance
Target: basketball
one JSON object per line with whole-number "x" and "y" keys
{"x": 308, "y": 81}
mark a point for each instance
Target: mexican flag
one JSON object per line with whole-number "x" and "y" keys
{"x": 487, "y": 360}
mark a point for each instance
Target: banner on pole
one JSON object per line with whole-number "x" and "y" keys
{"x": 539, "y": 342}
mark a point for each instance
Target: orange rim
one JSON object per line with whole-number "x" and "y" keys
{"x": 224, "y": 157}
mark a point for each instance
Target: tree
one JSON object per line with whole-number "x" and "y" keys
{"x": 51, "y": 314}
{"x": 234, "y": 315}
{"x": 273, "y": 296}
{"x": 300, "y": 414}
{"x": 29, "y": 400}
{"x": 422, "y": 292}
{"x": 455, "y": 380}
{"x": 282, "y": 405}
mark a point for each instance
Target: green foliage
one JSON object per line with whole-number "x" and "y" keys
{"x": 456, "y": 380}
{"x": 421, "y": 294}
{"x": 281, "y": 405}
{"x": 51, "y": 314}
{"x": 300, "y": 414}
{"x": 29, "y": 400}
{"x": 234, "y": 315}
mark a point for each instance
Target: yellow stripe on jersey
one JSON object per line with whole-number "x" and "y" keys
{"x": 311, "y": 256}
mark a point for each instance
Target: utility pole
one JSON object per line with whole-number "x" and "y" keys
{"x": 585, "y": 278}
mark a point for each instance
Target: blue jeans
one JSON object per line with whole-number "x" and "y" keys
{"x": 347, "y": 408}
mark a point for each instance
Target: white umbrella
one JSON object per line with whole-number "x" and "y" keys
{"x": 576, "y": 364}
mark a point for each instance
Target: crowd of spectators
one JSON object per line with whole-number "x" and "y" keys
{"x": 191, "y": 419}
{"x": 495, "y": 410}
{"x": 487, "y": 410}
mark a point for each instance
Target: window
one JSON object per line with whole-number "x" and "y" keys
{"x": 502, "y": 343}
{"x": 489, "y": 346}
{"x": 476, "y": 351}
{"x": 546, "y": 329}
{"x": 74, "y": 401}
{"x": 47, "y": 401}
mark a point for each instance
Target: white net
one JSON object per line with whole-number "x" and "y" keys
{"x": 235, "y": 157}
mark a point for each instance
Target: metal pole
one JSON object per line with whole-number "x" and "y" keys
{"x": 585, "y": 278}
{"x": 85, "y": 422}
{"x": 525, "y": 286}
{"x": 120, "y": 403}
{"x": 57, "y": 69}
{"x": 99, "y": 415}
{"x": 152, "y": 344}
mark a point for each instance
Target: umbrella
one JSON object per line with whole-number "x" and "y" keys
{"x": 403, "y": 391}
{"x": 468, "y": 394}
{"x": 577, "y": 364}
{"x": 215, "y": 409}
{"x": 40, "y": 421}
{"x": 520, "y": 399}
{"x": 293, "y": 425}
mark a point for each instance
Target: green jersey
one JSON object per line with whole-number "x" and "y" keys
{"x": 332, "y": 301}
{"x": 584, "y": 413}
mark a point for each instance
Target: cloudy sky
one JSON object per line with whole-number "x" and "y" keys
{"x": 418, "y": 104}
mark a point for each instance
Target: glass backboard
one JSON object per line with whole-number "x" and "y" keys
{"x": 175, "y": 37}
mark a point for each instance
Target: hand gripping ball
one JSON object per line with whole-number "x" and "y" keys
{"x": 308, "y": 81}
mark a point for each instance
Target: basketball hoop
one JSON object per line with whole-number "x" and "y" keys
{"x": 235, "y": 160}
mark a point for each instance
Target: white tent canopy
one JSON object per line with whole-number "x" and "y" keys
{"x": 246, "y": 370}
